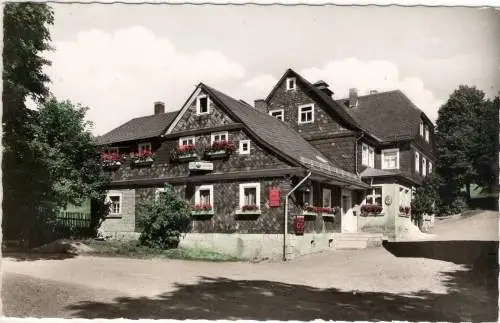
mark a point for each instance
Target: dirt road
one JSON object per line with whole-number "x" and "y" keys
{"x": 374, "y": 284}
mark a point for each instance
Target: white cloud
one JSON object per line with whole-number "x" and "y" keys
{"x": 120, "y": 75}
{"x": 258, "y": 87}
{"x": 373, "y": 75}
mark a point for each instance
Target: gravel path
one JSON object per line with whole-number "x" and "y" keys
{"x": 345, "y": 285}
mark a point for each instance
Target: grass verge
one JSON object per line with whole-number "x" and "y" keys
{"x": 131, "y": 249}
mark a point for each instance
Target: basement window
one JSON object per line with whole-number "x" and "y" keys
{"x": 202, "y": 105}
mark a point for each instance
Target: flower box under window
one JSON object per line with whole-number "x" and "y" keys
{"x": 315, "y": 210}
{"x": 220, "y": 149}
{"x": 111, "y": 161}
{"x": 185, "y": 153}
{"x": 371, "y": 210}
{"x": 143, "y": 158}
{"x": 202, "y": 210}
{"x": 249, "y": 209}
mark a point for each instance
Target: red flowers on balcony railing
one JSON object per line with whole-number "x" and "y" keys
{"x": 367, "y": 209}
{"x": 220, "y": 148}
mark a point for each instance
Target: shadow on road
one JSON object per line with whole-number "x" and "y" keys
{"x": 472, "y": 296}
{"x": 32, "y": 256}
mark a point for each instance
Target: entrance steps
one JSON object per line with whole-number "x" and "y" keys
{"x": 358, "y": 240}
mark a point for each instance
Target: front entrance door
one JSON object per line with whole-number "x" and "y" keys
{"x": 349, "y": 222}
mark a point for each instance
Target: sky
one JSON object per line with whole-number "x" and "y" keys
{"x": 118, "y": 59}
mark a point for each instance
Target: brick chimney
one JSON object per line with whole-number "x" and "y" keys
{"x": 324, "y": 87}
{"x": 260, "y": 105}
{"x": 159, "y": 107}
{"x": 353, "y": 98}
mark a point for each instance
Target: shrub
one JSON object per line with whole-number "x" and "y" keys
{"x": 164, "y": 220}
{"x": 426, "y": 199}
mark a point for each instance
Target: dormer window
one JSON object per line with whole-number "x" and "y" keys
{"x": 390, "y": 158}
{"x": 278, "y": 114}
{"x": 306, "y": 113}
{"x": 367, "y": 156}
{"x": 202, "y": 105}
{"x": 427, "y": 134}
{"x": 421, "y": 129}
{"x": 291, "y": 84}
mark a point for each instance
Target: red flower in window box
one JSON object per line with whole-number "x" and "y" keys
{"x": 111, "y": 160}
{"x": 223, "y": 146}
{"x": 249, "y": 208}
{"x": 371, "y": 209}
{"x": 184, "y": 152}
{"x": 145, "y": 156}
{"x": 203, "y": 207}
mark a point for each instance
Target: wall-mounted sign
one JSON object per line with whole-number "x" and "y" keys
{"x": 388, "y": 200}
{"x": 274, "y": 197}
{"x": 201, "y": 165}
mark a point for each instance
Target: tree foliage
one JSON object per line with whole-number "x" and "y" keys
{"x": 163, "y": 220}
{"x": 467, "y": 142}
{"x": 427, "y": 196}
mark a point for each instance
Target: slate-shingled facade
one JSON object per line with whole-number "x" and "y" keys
{"x": 299, "y": 130}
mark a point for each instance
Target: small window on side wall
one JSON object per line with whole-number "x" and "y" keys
{"x": 291, "y": 84}
{"x": 186, "y": 141}
{"x": 244, "y": 147}
{"x": 278, "y": 114}
{"x": 202, "y": 105}
{"x": 143, "y": 147}
{"x": 115, "y": 204}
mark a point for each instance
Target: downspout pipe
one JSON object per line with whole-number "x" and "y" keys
{"x": 286, "y": 212}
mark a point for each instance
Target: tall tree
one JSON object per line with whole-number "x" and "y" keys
{"x": 26, "y": 36}
{"x": 467, "y": 129}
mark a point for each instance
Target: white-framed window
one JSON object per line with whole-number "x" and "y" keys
{"x": 390, "y": 158}
{"x": 417, "y": 162}
{"x": 202, "y": 104}
{"x": 308, "y": 196}
{"x": 115, "y": 200}
{"x": 430, "y": 167}
{"x": 278, "y": 114}
{"x": 250, "y": 194}
{"x": 306, "y": 113}
{"x": 367, "y": 156}
{"x": 424, "y": 166}
{"x": 244, "y": 147}
{"x": 421, "y": 129}
{"x": 374, "y": 195}
{"x": 219, "y": 136}
{"x": 184, "y": 141}
{"x": 427, "y": 133}
{"x": 144, "y": 146}
{"x": 327, "y": 197}
{"x": 204, "y": 195}
{"x": 291, "y": 83}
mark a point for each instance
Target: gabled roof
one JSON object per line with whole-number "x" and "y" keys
{"x": 139, "y": 128}
{"x": 388, "y": 115}
{"x": 269, "y": 129}
{"x": 335, "y": 106}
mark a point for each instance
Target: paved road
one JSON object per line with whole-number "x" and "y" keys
{"x": 425, "y": 281}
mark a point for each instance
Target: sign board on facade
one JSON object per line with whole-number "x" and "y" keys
{"x": 274, "y": 197}
{"x": 201, "y": 165}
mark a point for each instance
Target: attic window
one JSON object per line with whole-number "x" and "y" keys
{"x": 278, "y": 114}
{"x": 306, "y": 113}
{"x": 291, "y": 84}
{"x": 421, "y": 128}
{"x": 202, "y": 106}
{"x": 427, "y": 134}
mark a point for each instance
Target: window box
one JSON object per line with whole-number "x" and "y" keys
{"x": 248, "y": 212}
{"x": 184, "y": 153}
{"x": 219, "y": 149}
{"x": 143, "y": 158}
{"x": 202, "y": 210}
{"x": 112, "y": 161}
{"x": 371, "y": 210}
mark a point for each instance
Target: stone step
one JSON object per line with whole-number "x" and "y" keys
{"x": 351, "y": 244}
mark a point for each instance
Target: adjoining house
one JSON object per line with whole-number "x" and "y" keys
{"x": 238, "y": 164}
